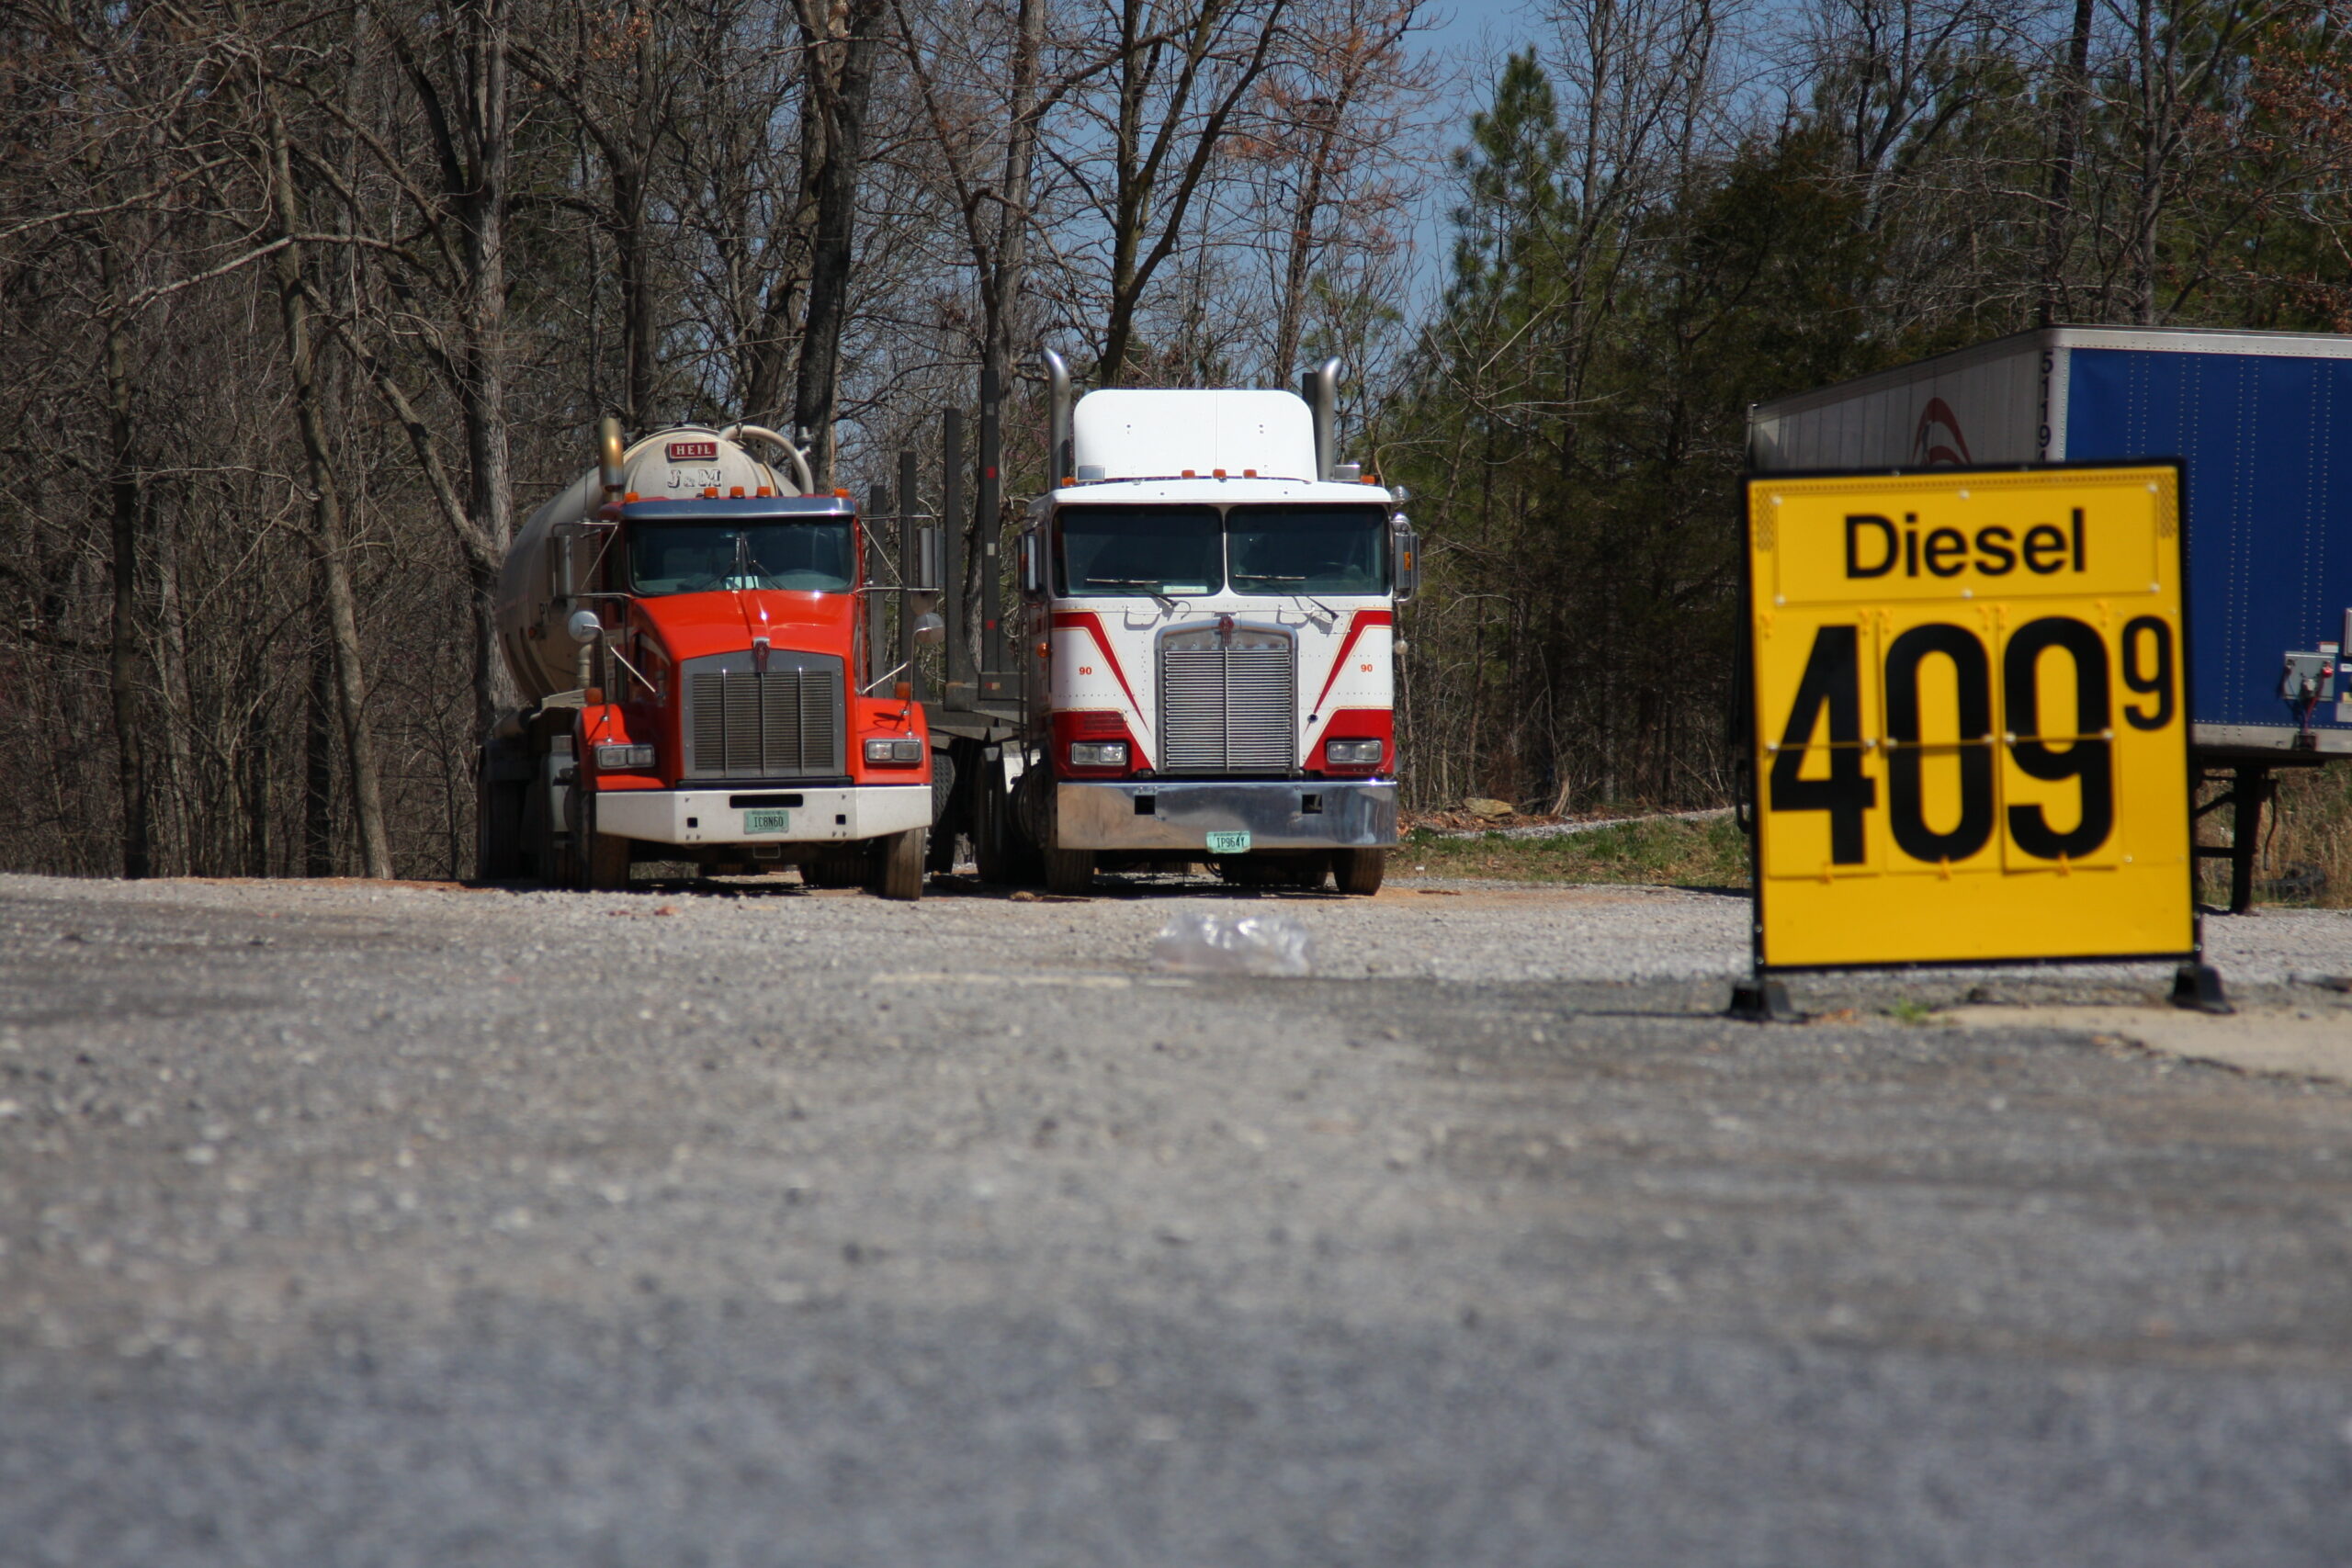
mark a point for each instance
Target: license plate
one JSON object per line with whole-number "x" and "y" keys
{"x": 767, "y": 821}
{"x": 1228, "y": 843}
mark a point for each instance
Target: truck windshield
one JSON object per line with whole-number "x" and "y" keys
{"x": 1138, "y": 551}
{"x": 1309, "y": 549}
{"x": 811, "y": 556}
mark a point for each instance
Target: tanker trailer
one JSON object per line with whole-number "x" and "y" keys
{"x": 684, "y": 625}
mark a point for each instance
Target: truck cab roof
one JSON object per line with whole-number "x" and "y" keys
{"x": 718, "y": 508}
{"x": 1213, "y": 491}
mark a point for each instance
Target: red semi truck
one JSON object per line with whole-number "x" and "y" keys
{"x": 686, "y": 624}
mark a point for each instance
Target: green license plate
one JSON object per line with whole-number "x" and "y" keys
{"x": 1228, "y": 843}
{"x": 767, "y": 821}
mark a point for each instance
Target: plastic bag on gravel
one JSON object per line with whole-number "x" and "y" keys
{"x": 1198, "y": 942}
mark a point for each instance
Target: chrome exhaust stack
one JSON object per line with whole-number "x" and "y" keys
{"x": 1320, "y": 386}
{"x": 1061, "y": 452}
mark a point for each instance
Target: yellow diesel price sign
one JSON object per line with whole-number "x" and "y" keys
{"x": 1971, "y": 729}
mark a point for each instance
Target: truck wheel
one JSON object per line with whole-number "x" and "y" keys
{"x": 1360, "y": 870}
{"x": 898, "y": 865}
{"x": 603, "y": 862}
{"x": 1070, "y": 872}
{"x": 607, "y": 866}
{"x": 949, "y": 790}
{"x": 1001, "y": 851}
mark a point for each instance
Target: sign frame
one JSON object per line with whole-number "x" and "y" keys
{"x": 1764, "y": 997}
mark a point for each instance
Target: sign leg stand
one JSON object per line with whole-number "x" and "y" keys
{"x": 2198, "y": 988}
{"x": 1760, "y": 1000}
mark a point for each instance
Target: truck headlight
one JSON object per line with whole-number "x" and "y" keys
{"x": 623, "y": 758}
{"x": 893, "y": 754}
{"x": 1352, "y": 753}
{"x": 1098, "y": 754}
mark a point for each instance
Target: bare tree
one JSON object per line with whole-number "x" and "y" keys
{"x": 1180, "y": 73}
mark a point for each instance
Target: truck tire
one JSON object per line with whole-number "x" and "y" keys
{"x": 1000, "y": 849}
{"x": 607, "y": 863}
{"x": 947, "y": 791}
{"x": 898, "y": 865}
{"x": 603, "y": 859}
{"x": 1070, "y": 872}
{"x": 1359, "y": 871}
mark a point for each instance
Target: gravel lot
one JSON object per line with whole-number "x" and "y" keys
{"x": 413, "y": 1225}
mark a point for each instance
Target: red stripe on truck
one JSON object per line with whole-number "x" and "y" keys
{"x": 1355, "y": 629}
{"x": 1092, "y": 623}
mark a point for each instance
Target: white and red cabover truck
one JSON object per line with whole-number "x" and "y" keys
{"x": 686, "y": 624}
{"x": 1206, "y": 647}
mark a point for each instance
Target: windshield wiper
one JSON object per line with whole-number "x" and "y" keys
{"x": 1241, "y": 577}
{"x": 1150, "y": 585}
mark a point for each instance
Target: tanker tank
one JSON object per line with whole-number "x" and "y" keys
{"x": 551, "y": 559}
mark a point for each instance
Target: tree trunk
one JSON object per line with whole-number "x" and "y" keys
{"x": 633, "y": 256}
{"x": 639, "y": 293}
{"x": 775, "y": 349}
{"x": 255, "y": 759}
{"x": 1130, "y": 200}
{"x": 489, "y": 503}
{"x": 326, "y": 533}
{"x": 122, "y": 662}
{"x": 191, "y": 829}
{"x": 844, "y": 102}
{"x": 2076, "y": 90}
{"x": 2148, "y": 203}
{"x": 1000, "y": 290}
{"x": 1290, "y": 323}
{"x": 318, "y": 746}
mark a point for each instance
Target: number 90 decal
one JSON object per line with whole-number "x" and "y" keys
{"x": 1994, "y": 710}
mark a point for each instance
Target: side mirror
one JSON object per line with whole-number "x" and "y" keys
{"x": 930, "y": 630}
{"x": 1404, "y": 559}
{"x": 584, "y": 626}
{"x": 1033, "y": 564}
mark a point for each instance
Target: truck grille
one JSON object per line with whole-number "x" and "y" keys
{"x": 786, "y": 723}
{"x": 1228, "y": 702}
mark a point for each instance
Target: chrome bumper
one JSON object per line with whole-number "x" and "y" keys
{"x": 1277, "y": 814}
{"x": 710, "y": 816}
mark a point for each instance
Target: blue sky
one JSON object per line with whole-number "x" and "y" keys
{"x": 1473, "y": 37}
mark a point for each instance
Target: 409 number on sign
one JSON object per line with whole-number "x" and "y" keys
{"x": 1942, "y": 746}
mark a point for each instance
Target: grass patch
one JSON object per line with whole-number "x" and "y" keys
{"x": 1708, "y": 853}
{"x": 2307, "y": 847}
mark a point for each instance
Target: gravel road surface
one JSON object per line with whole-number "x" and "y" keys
{"x": 348, "y": 1223}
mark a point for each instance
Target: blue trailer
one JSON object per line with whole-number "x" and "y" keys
{"x": 2263, "y": 421}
